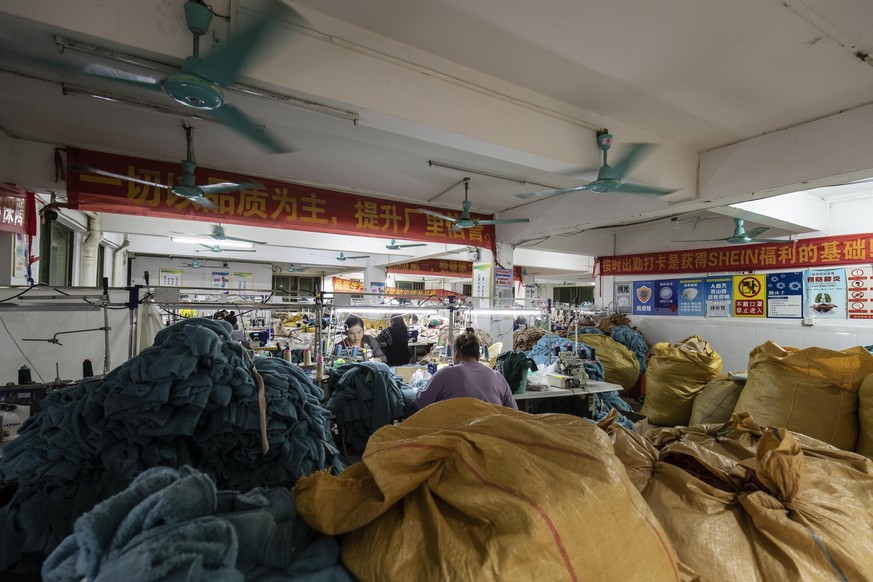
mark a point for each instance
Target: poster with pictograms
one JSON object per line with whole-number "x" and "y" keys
{"x": 718, "y": 296}
{"x": 859, "y": 282}
{"x": 666, "y": 297}
{"x": 750, "y": 296}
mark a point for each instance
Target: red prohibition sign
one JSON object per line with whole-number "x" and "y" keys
{"x": 749, "y": 287}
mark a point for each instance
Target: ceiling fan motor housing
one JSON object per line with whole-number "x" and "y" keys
{"x": 193, "y": 91}
{"x": 197, "y": 17}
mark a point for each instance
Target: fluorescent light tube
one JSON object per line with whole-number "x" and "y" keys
{"x": 505, "y": 311}
{"x": 386, "y": 309}
{"x": 211, "y": 242}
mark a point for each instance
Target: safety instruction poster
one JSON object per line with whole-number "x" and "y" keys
{"x": 824, "y": 292}
{"x": 860, "y": 292}
{"x": 750, "y": 296}
{"x": 644, "y": 297}
{"x": 220, "y": 279}
{"x": 691, "y": 297}
{"x": 623, "y": 293}
{"x": 718, "y": 296}
{"x": 785, "y": 295}
{"x": 665, "y": 297}
{"x": 243, "y": 280}
{"x": 170, "y": 277}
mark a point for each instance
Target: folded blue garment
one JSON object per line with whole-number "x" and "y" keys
{"x": 173, "y": 525}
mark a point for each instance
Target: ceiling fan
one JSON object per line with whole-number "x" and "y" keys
{"x": 194, "y": 264}
{"x": 187, "y": 187}
{"x": 741, "y": 236}
{"x": 610, "y": 178}
{"x": 219, "y": 235}
{"x": 465, "y": 220}
{"x": 342, "y": 257}
{"x": 199, "y": 83}
{"x": 220, "y": 249}
{"x": 393, "y": 246}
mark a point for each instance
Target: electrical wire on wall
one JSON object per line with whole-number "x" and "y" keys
{"x": 32, "y": 366}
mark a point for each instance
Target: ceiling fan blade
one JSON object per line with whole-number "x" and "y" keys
{"x": 224, "y": 65}
{"x": 358, "y": 257}
{"x": 408, "y": 246}
{"x": 229, "y": 187}
{"x": 254, "y": 242}
{"x": 770, "y": 240}
{"x": 756, "y": 231}
{"x": 87, "y": 170}
{"x": 635, "y": 154}
{"x": 702, "y": 240}
{"x": 119, "y": 76}
{"x": 504, "y": 221}
{"x": 437, "y": 214}
{"x": 235, "y": 119}
{"x": 542, "y": 194}
{"x": 646, "y": 190}
{"x": 202, "y": 202}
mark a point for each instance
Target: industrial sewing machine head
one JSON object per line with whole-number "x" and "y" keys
{"x": 570, "y": 364}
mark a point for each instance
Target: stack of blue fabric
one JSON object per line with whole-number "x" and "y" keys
{"x": 365, "y": 397}
{"x": 190, "y": 399}
{"x": 173, "y": 525}
{"x": 634, "y": 341}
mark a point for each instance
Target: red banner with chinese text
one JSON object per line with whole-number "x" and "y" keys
{"x": 276, "y": 205}
{"x": 437, "y": 267}
{"x": 341, "y": 285}
{"x": 13, "y": 210}
{"x": 800, "y": 254}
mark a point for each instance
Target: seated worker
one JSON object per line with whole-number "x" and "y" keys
{"x": 355, "y": 337}
{"x": 467, "y": 377}
{"x": 236, "y": 335}
{"x": 395, "y": 338}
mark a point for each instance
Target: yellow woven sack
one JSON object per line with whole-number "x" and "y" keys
{"x": 813, "y": 391}
{"x": 465, "y": 490}
{"x": 716, "y": 402}
{"x": 776, "y": 513}
{"x": 620, "y": 365}
{"x": 865, "y": 418}
{"x": 675, "y": 374}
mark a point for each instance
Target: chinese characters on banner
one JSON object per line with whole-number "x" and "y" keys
{"x": 644, "y": 297}
{"x": 341, "y": 285}
{"x": 623, "y": 303}
{"x": 718, "y": 296}
{"x": 749, "y": 296}
{"x": 860, "y": 292}
{"x": 785, "y": 295}
{"x": 445, "y": 268}
{"x": 691, "y": 297}
{"x": 804, "y": 253}
{"x": 825, "y": 293}
{"x": 13, "y": 209}
{"x": 275, "y": 205}
{"x": 665, "y": 297}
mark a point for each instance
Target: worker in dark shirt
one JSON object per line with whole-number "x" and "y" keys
{"x": 394, "y": 340}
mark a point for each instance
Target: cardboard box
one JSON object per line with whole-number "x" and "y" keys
{"x": 641, "y": 423}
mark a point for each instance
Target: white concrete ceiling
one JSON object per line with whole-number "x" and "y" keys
{"x": 515, "y": 89}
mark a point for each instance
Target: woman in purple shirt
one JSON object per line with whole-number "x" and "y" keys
{"x": 467, "y": 377}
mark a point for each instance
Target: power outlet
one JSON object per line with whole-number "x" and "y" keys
{"x": 809, "y": 321}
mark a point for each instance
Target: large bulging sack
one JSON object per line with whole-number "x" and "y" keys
{"x": 716, "y": 402}
{"x": 675, "y": 375}
{"x": 620, "y": 365}
{"x": 813, "y": 391}
{"x": 779, "y": 507}
{"x": 465, "y": 490}
{"x": 865, "y": 418}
